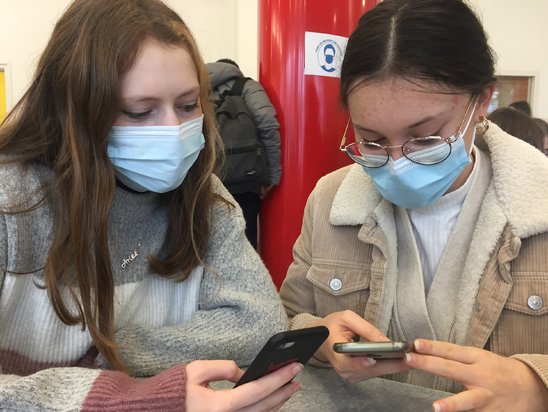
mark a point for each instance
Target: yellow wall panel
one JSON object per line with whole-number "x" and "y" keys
{"x": 2, "y": 95}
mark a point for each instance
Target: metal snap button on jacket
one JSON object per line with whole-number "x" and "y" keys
{"x": 335, "y": 284}
{"x": 535, "y": 302}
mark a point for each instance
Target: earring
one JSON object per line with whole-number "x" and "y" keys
{"x": 483, "y": 126}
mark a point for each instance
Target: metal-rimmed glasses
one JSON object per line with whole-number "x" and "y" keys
{"x": 427, "y": 150}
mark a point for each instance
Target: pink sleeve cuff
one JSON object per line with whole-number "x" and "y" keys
{"x": 116, "y": 391}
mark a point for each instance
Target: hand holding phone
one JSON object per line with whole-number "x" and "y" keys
{"x": 284, "y": 348}
{"x": 375, "y": 350}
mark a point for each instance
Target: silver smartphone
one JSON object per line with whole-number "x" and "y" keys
{"x": 375, "y": 350}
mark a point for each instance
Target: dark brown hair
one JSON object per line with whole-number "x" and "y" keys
{"x": 440, "y": 41}
{"x": 522, "y": 105}
{"x": 543, "y": 124}
{"x": 63, "y": 122}
{"x": 518, "y": 124}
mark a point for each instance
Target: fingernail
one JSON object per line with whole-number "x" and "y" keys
{"x": 299, "y": 367}
{"x": 295, "y": 387}
{"x": 437, "y": 407}
{"x": 416, "y": 344}
{"x": 371, "y": 361}
{"x": 407, "y": 357}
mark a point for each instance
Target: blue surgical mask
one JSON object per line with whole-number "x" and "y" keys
{"x": 155, "y": 158}
{"x": 412, "y": 185}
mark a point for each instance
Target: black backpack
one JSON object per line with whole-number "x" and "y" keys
{"x": 245, "y": 168}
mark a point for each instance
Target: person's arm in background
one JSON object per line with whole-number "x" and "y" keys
{"x": 268, "y": 127}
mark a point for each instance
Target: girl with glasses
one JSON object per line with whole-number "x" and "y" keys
{"x": 438, "y": 234}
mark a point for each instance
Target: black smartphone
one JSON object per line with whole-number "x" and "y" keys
{"x": 284, "y": 348}
{"x": 375, "y": 350}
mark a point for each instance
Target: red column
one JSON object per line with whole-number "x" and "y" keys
{"x": 312, "y": 120}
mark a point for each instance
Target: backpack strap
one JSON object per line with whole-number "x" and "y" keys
{"x": 238, "y": 86}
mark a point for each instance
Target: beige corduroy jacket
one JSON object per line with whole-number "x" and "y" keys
{"x": 348, "y": 234}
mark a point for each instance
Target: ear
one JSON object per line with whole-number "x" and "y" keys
{"x": 483, "y": 103}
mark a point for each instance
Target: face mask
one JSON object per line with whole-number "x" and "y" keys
{"x": 412, "y": 185}
{"x": 155, "y": 158}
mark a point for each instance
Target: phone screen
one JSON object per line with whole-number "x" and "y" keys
{"x": 284, "y": 348}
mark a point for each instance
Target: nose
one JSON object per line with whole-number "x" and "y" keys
{"x": 395, "y": 152}
{"x": 171, "y": 118}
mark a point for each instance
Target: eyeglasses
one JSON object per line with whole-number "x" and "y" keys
{"x": 428, "y": 150}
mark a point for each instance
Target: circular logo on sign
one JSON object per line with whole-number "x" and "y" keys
{"x": 329, "y": 56}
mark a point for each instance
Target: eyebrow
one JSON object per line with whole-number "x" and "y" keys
{"x": 140, "y": 99}
{"x": 416, "y": 124}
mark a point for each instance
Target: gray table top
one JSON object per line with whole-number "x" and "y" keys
{"x": 323, "y": 390}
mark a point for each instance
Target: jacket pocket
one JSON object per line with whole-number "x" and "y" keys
{"x": 339, "y": 288}
{"x": 523, "y": 324}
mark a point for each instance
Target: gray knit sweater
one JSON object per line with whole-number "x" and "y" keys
{"x": 224, "y": 310}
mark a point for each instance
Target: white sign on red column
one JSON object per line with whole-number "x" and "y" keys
{"x": 323, "y": 54}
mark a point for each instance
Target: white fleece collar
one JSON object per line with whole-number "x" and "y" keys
{"x": 520, "y": 179}
{"x": 355, "y": 199}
